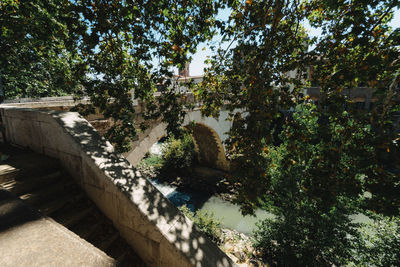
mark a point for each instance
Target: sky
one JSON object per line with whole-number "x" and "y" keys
{"x": 197, "y": 65}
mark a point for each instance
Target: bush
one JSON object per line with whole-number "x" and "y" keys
{"x": 310, "y": 197}
{"x": 152, "y": 160}
{"x": 380, "y": 243}
{"x": 179, "y": 154}
{"x": 295, "y": 240}
{"x": 206, "y": 223}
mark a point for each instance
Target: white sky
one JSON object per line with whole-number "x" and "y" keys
{"x": 197, "y": 65}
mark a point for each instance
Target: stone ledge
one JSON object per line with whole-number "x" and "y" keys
{"x": 153, "y": 226}
{"x": 27, "y": 239}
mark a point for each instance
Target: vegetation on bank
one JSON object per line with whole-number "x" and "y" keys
{"x": 314, "y": 202}
{"x": 375, "y": 242}
{"x": 178, "y": 155}
{"x": 205, "y": 222}
{"x": 151, "y": 160}
{"x": 332, "y": 152}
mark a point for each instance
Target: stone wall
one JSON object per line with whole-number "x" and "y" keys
{"x": 154, "y": 227}
{"x": 208, "y": 139}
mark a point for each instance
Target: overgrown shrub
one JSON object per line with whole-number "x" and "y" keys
{"x": 317, "y": 240}
{"x": 380, "y": 243}
{"x": 310, "y": 197}
{"x": 152, "y": 160}
{"x": 206, "y": 223}
{"x": 179, "y": 154}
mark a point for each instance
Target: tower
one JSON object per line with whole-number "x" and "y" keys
{"x": 185, "y": 72}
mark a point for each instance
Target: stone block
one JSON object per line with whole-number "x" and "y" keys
{"x": 54, "y": 137}
{"x": 166, "y": 250}
{"x": 50, "y": 152}
{"x": 73, "y": 164}
{"x": 21, "y": 132}
{"x": 36, "y": 136}
{"x": 149, "y": 250}
{"x": 131, "y": 217}
{"x": 18, "y": 113}
{"x": 187, "y": 240}
{"x": 106, "y": 202}
{"x": 91, "y": 176}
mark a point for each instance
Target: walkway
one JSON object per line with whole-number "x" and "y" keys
{"x": 45, "y": 218}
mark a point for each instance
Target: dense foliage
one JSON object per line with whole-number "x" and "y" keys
{"x": 151, "y": 160}
{"x": 105, "y": 50}
{"x": 330, "y": 154}
{"x": 38, "y": 50}
{"x": 380, "y": 244}
{"x": 205, "y": 222}
{"x": 312, "y": 224}
{"x": 178, "y": 153}
{"x": 267, "y": 71}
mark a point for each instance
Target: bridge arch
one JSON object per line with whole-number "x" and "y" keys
{"x": 209, "y": 147}
{"x": 207, "y": 142}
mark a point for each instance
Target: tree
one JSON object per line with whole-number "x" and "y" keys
{"x": 104, "y": 50}
{"x": 38, "y": 53}
{"x": 331, "y": 153}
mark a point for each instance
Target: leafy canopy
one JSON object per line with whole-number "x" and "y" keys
{"x": 330, "y": 154}
{"x": 261, "y": 81}
{"x": 312, "y": 166}
{"x": 104, "y": 50}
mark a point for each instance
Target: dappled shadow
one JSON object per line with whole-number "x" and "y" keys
{"x": 146, "y": 139}
{"x": 208, "y": 144}
{"x": 178, "y": 230}
{"x": 14, "y": 212}
{"x": 43, "y": 185}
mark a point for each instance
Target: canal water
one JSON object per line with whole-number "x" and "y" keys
{"x": 227, "y": 213}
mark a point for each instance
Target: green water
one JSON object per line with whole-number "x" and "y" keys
{"x": 231, "y": 217}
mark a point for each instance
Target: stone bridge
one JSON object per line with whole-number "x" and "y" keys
{"x": 156, "y": 231}
{"x": 208, "y": 133}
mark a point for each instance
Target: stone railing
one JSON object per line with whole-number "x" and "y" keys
{"x": 153, "y": 226}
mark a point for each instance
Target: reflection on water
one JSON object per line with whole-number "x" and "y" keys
{"x": 231, "y": 217}
{"x": 163, "y": 188}
{"x": 228, "y": 213}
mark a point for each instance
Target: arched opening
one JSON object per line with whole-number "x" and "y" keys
{"x": 209, "y": 147}
{"x": 144, "y": 142}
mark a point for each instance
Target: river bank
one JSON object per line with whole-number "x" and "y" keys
{"x": 202, "y": 190}
{"x": 208, "y": 191}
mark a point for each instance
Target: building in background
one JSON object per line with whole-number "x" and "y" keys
{"x": 183, "y": 81}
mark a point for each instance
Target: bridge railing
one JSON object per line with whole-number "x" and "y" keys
{"x": 153, "y": 226}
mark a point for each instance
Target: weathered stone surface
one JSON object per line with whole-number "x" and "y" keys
{"x": 216, "y": 130}
{"x": 154, "y": 227}
{"x": 27, "y": 239}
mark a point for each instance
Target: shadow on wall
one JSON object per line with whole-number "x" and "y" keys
{"x": 155, "y": 228}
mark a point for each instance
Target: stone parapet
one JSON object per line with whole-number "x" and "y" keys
{"x": 153, "y": 226}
